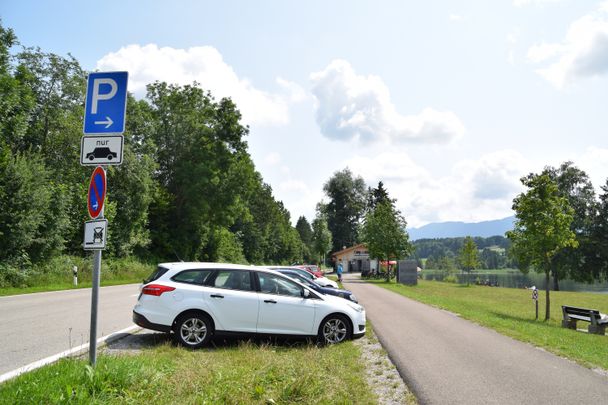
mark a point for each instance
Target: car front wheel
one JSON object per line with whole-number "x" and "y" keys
{"x": 193, "y": 330}
{"x": 334, "y": 329}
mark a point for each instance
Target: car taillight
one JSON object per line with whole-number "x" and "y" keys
{"x": 156, "y": 289}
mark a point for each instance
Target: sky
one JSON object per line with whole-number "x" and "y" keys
{"x": 448, "y": 103}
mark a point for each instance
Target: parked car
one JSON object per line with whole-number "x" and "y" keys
{"x": 196, "y": 301}
{"x": 311, "y": 268}
{"x": 322, "y": 281}
{"x": 101, "y": 153}
{"x": 338, "y": 292}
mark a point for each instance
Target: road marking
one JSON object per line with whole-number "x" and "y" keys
{"x": 135, "y": 295}
{"x": 79, "y": 289}
{"x": 55, "y": 357}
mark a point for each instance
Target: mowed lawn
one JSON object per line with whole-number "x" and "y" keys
{"x": 511, "y": 312}
{"x": 242, "y": 373}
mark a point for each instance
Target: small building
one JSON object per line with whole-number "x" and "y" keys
{"x": 354, "y": 258}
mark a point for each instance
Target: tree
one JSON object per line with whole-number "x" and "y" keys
{"x": 542, "y": 227}
{"x": 305, "y": 232}
{"x": 347, "y": 197}
{"x": 321, "y": 237}
{"x": 574, "y": 185}
{"x": 384, "y": 234}
{"x": 376, "y": 196}
{"x": 598, "y": 261}
{"x": 469, "y": 256}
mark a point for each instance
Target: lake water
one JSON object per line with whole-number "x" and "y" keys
{"x": 516, "y": 279}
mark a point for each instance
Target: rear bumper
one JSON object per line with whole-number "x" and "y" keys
{"x": 141, "y": 320}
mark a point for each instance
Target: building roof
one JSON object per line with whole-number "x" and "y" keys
{"x": 343, "y": 251}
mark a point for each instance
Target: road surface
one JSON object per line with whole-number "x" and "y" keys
{"x": 36, "y": 326}
{"x": 448, "y": 360}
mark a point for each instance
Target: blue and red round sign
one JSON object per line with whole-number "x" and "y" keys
{"x": 97, "y": 192}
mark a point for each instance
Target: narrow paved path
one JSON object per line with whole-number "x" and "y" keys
{"x": 449, "y": 360}
{"x": 35, "y": 326}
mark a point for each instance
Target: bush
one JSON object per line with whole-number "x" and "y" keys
{"x": 11, "y": 276}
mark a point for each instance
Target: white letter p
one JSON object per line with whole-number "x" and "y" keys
{"x": 96, "y": 96}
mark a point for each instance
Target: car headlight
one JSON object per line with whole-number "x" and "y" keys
{"x": 356, "y": 307}
{"x": 353, "y": 298}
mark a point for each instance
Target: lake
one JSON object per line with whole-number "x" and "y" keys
{"x": 516, "y": 279}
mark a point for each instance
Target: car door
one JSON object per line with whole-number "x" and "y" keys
{"x": 282, "y": 308}
{"x": 233, "y": 301}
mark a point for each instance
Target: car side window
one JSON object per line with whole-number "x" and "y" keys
{"x": 273, "y": 284}
{"x": 197, "y": 277}
{"x": 233, "y": 280}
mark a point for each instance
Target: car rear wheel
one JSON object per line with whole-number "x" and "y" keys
{"x": 193, "y": 330}
{"x": 334, "y": 329}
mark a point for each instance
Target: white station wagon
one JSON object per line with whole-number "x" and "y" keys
{"x": 198, "y": 300}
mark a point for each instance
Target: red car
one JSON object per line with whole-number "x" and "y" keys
{"x": 312, "y": 269}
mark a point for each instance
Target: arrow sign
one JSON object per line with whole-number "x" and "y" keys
{"x": 97, "y": 192}
{"x": 106, "y": 103}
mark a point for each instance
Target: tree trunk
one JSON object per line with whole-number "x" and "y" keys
{"x": 547, "y": 298}
{"x": 555, "y": 282}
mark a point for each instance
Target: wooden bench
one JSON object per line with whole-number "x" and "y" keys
{"x": 597, "y": 320}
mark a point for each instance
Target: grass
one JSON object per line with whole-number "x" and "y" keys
{"x": 244, "y": 373}
{"x": 57, "y": 275}
{"x": 511, "y": 312}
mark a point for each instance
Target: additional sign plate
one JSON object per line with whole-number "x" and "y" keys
{"x": 106, "y": 103}
{"x": 97, "y": 192}
{"x": 101, "y": 150}
{"x": 95, "y": 233}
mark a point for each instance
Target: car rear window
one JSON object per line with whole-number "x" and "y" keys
{"x": 156, "y": 274}
{"x": 197, "y": 277}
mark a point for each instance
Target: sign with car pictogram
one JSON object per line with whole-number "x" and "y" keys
{"x": 95, "y": 233}
{"x": 101, "y": 150}
{"x": 97, "y": 192}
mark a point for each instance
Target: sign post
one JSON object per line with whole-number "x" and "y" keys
{"x": 535, "y": 298}
{"x": 102, "y": 144}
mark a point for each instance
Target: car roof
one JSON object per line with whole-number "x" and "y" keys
{"x": 205, "y": 265}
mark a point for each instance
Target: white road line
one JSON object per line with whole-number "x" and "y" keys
{"x": 135, "y": 295}
{"x": 74, "y": 290}
{"x": 55, "y": 357}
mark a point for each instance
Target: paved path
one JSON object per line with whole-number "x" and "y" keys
{"x": 35, "y": 326}
{"x": 448, "y": 360}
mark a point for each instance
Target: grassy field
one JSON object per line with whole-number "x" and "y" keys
{"x": 245, "y": 373}
{"x": 511, "y": 312}
{"x": 57, "y": 275}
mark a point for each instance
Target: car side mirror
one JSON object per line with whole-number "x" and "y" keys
{"x": 305, "y": 293}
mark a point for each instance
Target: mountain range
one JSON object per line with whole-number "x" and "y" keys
{"x": 461, "y": 229}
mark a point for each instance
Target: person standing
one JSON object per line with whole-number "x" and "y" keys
{"x": 339, "y": 270}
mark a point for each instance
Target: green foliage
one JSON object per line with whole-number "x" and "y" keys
{"x": 384, "y": 233}
{"x": 344, "y": 211}
{"x": 469, "y": 256}
{"x": 542, "y": 227}
{"x": 321, "y": 236}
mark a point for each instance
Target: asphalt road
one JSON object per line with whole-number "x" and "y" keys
{"x": 448, "y": 360}
{"x": 36, "y": 326}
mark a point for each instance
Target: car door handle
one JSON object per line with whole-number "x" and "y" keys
{"x": 270, "y": 301}
{"x": 216, "y": 296}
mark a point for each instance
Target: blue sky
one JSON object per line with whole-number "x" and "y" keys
{"x": 447, "y": 102}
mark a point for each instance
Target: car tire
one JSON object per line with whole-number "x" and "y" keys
{"x": 91, "y": 158}
{"x": 193, "y": 330}
{"x": 109, "y": 157}
{"x": 334, "y": 329}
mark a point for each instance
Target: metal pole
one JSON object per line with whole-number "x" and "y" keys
{"x": 94, "y": 301}
{"x": 536, "y": 309}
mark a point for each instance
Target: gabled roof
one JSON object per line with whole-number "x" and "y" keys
{"x": 360, "y": 245}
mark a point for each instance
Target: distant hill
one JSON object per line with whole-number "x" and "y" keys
{"x": 458, "y": 229}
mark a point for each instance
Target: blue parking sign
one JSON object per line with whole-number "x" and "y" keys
{"x": 106, "y": 103}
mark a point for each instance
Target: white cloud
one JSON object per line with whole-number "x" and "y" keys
{"x": 356, "y": 107}
{"x": 595, "y": 163}
{"x": 582, "y": 54}
{"x": 475, "y": 190}
{"x": 455, "y": 17}
{"x": 272, "y": 159}
{"x": 205, "y": 65}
